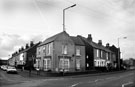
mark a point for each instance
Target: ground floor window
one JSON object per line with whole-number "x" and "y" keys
{"x": 64, "y": 64}
{"x": 47, "y": 64}
{"x": 87, "y": 65}
{"x": 78, "y": 64}
{"x": 99, "y": 63}
{"x": 37, "y": 65}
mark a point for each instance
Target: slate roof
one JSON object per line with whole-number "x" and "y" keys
{"x": 51, "y": 39}
{"x": 77, "y": 41}
{"x": 95, "y": 45}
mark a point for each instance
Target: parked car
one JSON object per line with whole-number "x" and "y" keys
{"x": 4, "y": 67}
{"x": 11, "y": 69}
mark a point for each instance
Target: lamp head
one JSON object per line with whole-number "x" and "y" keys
{"x": 73, "y": 5}
{"x": 125, "y": 37}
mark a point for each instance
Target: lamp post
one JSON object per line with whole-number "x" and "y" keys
{"x": 64, "y": 15}
{"x": 119, "y": 51}
{"x": 64, "y": 29}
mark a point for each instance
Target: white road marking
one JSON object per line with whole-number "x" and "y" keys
{"x": 75, "y": 84}
{"x": 123, "y": 85}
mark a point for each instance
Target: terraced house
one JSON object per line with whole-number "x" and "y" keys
{"x": 61, "y": 52}
{"x": 97, "y": 55}
{"x": 24, "y": 57}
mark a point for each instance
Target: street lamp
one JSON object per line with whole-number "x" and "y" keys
{"x": 64, "y": 15}
{"x": 119, "y": 51}
{"x": 64, "y": 28}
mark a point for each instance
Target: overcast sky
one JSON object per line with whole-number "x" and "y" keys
{"x": 24, "y": 20}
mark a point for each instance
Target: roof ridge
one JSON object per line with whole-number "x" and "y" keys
{"x": 94, "y": 44}
{"x": 52, "y": 38}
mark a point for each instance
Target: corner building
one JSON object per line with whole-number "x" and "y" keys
{"x": 61, "y": 52}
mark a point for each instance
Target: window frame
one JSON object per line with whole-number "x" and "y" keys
{"x": 44, "y": 49}
{"x": 78, "y": 52}
{"x": 62, "y": 65}
{"x": 97, "y": 52}
{"x": 101, "y": 54}
{"x": 64, "y": 49}
{"x": 39, "y": 51}
{"x": 48, "y": 49}
{"x": 46, "y": 64}
{"x": 78, "y": 64}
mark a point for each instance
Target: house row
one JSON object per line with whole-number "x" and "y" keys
{"x": 24, "y": 57}
{"x": 65, "y": 53}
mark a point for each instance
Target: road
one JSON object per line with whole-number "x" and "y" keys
{"x": 107, "y": 80}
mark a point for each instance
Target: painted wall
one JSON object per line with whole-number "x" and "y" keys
{"x": 81, "y": 57}
{"x": 64, "y": 39}
{"x": 56, "y": 53}
{"x": 42, "y": 52}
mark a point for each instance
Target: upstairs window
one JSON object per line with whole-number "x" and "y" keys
{"x": 38, "y": 50}
{"x": 78, "y": 52}
{"x": 64, "y": 49}
{"x": 97, "y": 52}
{"x": 107, "y": 56}
{"x": 101, "y": 54}
{"x": 48, "y": 49}
{"x": 43, "y": 49}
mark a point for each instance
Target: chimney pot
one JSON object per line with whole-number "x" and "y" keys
{"x": 89, "y": 37}
{"x": 107, "y": 45}
{"x": 100, "y": 42}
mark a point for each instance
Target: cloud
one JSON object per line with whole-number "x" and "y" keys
{"x": 10, "y": 43}
{"x": 126, "y": 5}
{"x": 29, "y": 5}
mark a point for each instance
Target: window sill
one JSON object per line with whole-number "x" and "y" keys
{"x": 78, "y": 55}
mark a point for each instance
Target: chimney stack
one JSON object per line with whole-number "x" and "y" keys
{"x": 89, "y": 37}
{"x": 100, "y": 42}
{"x": 31, "y": 43}
{"x": 107, "y": 45}
{"x": 27, "y": 46}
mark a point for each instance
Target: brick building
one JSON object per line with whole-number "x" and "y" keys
{"x": 61, "y": 52}
{"x": 97, "y": 55}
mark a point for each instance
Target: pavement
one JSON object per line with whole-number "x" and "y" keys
{"x": 42, "y": 74}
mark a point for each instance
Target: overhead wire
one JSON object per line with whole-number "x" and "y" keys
{"x": 40, "y": 12}
{"x": 97, "y": 13}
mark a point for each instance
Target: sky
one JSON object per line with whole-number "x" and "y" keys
{"x": 22, "y": 21}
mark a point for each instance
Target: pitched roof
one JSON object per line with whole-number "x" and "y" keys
{"x": 95, "y": 45}
{"x": 77, "y": 40}
{"x": 84, "y": 39}
{"x": 51, "y": 39}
